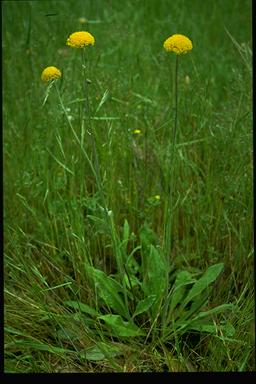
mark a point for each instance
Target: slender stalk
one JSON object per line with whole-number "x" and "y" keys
{"x": 88, "y": 112}
{"x": 170, "y": 178}
{"x": 75, "y": 134}
{"x": 170, "y": 184}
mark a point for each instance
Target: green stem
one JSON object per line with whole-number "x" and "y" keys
{"x": 170, "y": 184}
{"x": 75, "y": 134}
{"x": 87, "y": 110}
{"x": 170, "y": 178}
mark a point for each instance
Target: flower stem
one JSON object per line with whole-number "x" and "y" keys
{"x": 90, "y": 127}
{"x": 74, "y": 133}
{"x": 170, "y": 179}
{"x": 170, "y": 184}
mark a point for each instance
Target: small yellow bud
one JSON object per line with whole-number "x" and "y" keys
{"x": 187, "y": 80}
{"x": 82, "y": 20}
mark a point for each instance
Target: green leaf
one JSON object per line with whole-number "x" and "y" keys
{"x": 215, "y": 310}
{"x": 202, "y": 326}
{"x": 47, "y": 93}
{"x": 179, "y": 288}
{"x": 108, "y": 289}
{"x": 147, "y": 237}
{"x": 81, "y": 318}
{"x": 81, "y": 307}
{"x": 209, "y": 276}
{"x": 155, "y": 279}
{"x": 120, "y": 327}
{"x": 102, "y": 351}
{"x": 144, "y": 305}
{"x": 94, "y": 354}
{"x": 134, "y": 282}
{"x": 103, "y": 100}
{"x": 131, "y": 261}
{"x": 126, "y": 232}
{"x": 196, "y": 305}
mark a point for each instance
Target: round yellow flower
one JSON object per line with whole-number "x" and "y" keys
{"x": 80, "y": 39}
{"x": 50, "y": 73}
{"x": 137, "y": 131}
{"x": 178, "y": 44}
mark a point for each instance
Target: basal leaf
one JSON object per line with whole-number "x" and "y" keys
{"x": 144, "y": 305}
{"x": 133, "y": 281}
{"x": 147, "y": 237}
{"x": 227, "y": 330}
{"x": 155, "y": 276}
{"x": 108, "y": 289}
{"x": 94, "y": 354}
{"x": 209, "y": 276}
{"x": 120, "y": 327}
{"x": 183, "y": 278}
{"x": 102, "y": 351}
{"x": 126, "y": 233}
{"x": 197, "y": 304}
{"x": 81, "y": 307}
{"x": 131, "y": 262}
{"x": 215, "y": 310}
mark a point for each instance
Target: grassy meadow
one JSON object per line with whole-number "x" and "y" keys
{"x": 125, "y": 251}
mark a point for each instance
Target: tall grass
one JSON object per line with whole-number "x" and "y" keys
{"x": 74, "y": 243}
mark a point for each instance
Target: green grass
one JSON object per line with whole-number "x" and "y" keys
{"x": 67, "y": 265}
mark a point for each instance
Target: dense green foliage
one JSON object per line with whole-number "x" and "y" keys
{"x": 88, "y": 284}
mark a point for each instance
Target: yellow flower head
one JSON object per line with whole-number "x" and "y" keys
{"x": 157, "y": 197}
{"x": 137, "y": 131}
{"x": 178, "y": 44}
{"x": 80, "y": 39}
{"x": 50, "y": 73}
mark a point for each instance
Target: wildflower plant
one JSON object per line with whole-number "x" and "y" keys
{"x": 81, "y": 40}
{"x": 179, "y": 45}
{"x": 144, "y": 297}
{"x": 93, "y": 283}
